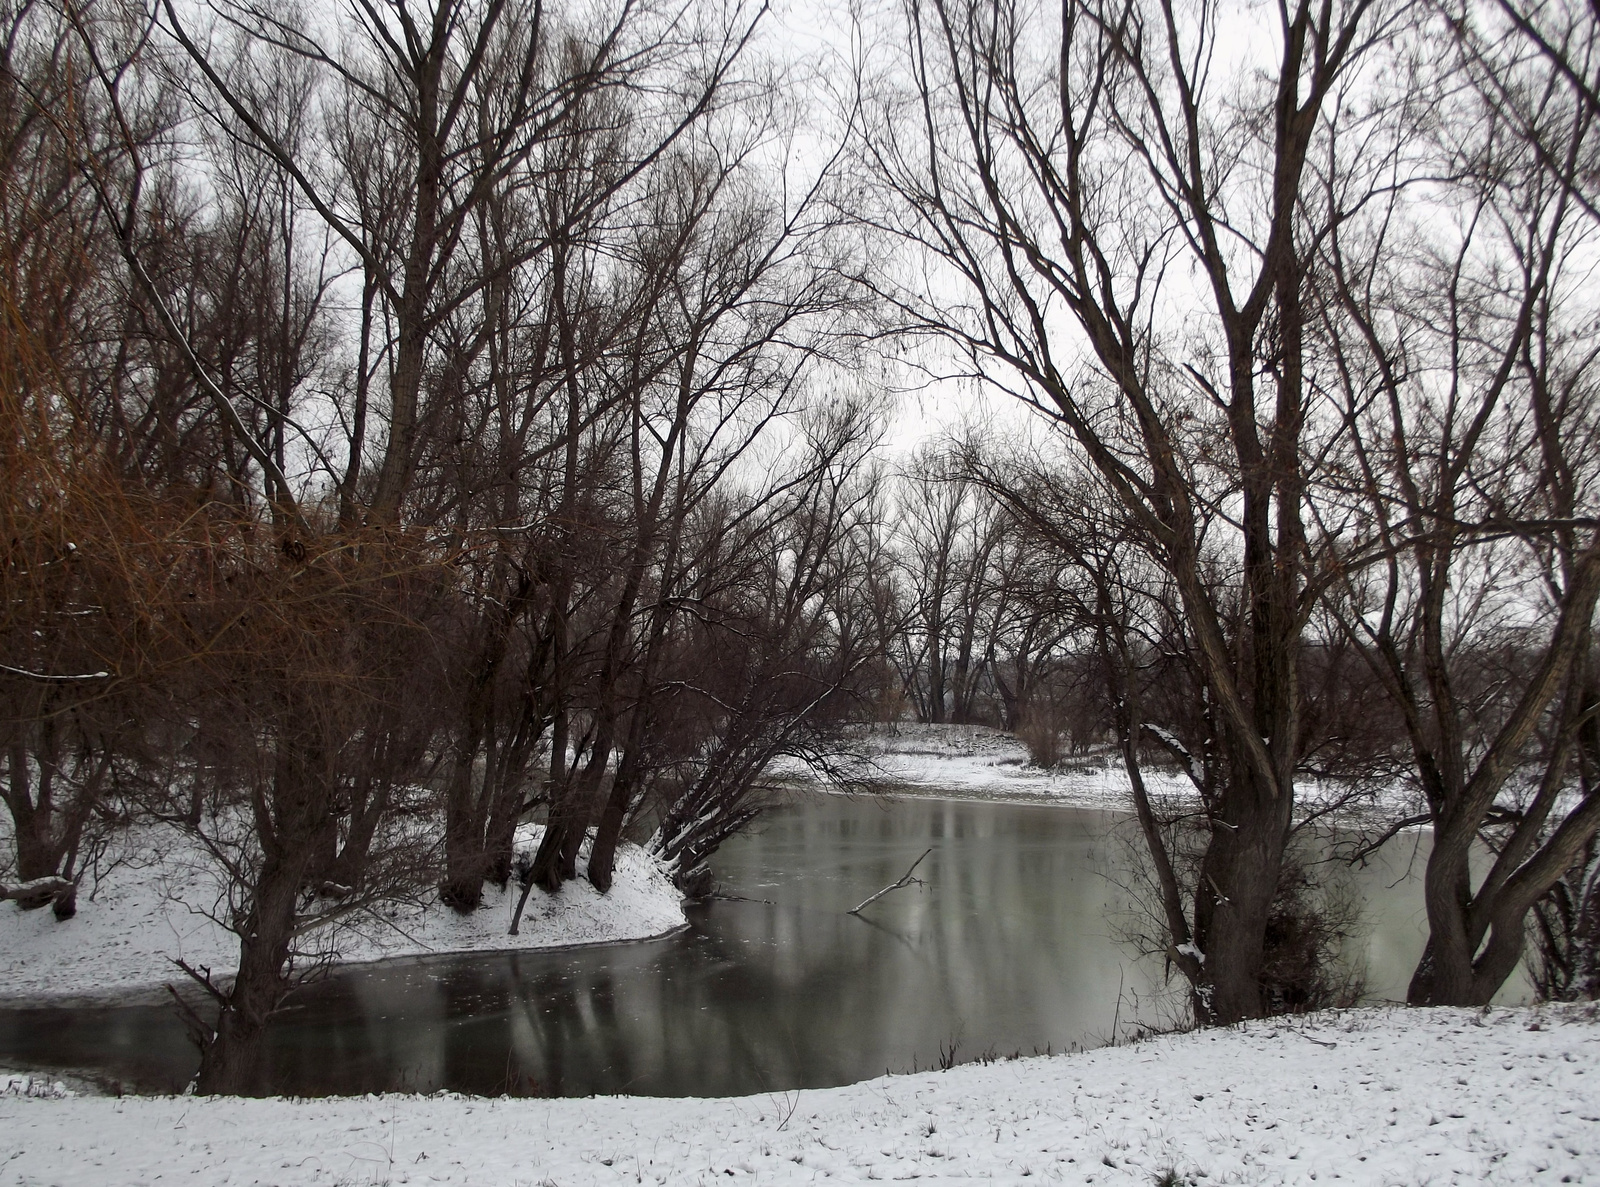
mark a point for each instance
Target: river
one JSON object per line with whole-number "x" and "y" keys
{"x": 1014, "y": 943}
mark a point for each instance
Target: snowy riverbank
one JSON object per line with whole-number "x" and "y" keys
{"x": 159, "y": 904}
{"x": 986, "y": 763}
{"x": 981, "y": 762}
{"x": 1379, "y": 1096}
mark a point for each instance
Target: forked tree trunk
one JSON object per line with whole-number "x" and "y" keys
{"x": 619, "y": 801}
{"x": 302, "y": 824}
{"x": 1476, "y": 935}
{"x": 349, "y": 868}
{"x": 546, "y": 872}
{"x": 232, "y": 1061}
{"x": 500, "y": 835}
{"x": 1238, "y": 883}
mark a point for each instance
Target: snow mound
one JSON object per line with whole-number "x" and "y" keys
{"x": 20, "y": 1084}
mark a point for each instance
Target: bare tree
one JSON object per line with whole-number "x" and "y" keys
{"x": 85, "y": 620}
{"x": 343, "y": 589}
{"x": 739, "y": 297}
{"x": 1470, "y": 334}
{"x": 1089, "y": 181}
{"x": 950, "y": 531}
{"x": 445, "y": 104}
{"x": 770, "y": 667}
{"x": 263, "y": 620}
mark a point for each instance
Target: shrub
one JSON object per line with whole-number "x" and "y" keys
{"x": 1040, "y": 732}
{"x": 1312, "y": 918}
{"x": 1565, "y": 964}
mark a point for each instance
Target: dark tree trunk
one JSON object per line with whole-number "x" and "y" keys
{"x": 608, "y": 833}
{"x": 936, "y": 712}
{"x": 231, "y": 1062}
{"x": 466, "y": 863}
{"x": 546, "y": 872}
{"x": 1238, "y": 883}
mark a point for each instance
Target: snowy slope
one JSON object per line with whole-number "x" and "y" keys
{"x": 1368, "y": 1096}
{"x": 143, "y": 915}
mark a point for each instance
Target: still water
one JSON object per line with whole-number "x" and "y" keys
{"x": 1013, "y": 944}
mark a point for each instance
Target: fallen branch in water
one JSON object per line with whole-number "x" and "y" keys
{"x": 905, "y": 880}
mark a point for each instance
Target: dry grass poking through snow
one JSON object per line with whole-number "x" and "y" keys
{"x": 1373, "y": 1096}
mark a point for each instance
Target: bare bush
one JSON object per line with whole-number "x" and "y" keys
{"x": 1566, "y": 933}
{"x": 1040, "y": 731}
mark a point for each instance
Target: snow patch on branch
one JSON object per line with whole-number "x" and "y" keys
{"x": 51, "y": 677}
{"x": 1187, "y": 760}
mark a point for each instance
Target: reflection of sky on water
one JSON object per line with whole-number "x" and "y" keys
{"x": 1010, "y": 946}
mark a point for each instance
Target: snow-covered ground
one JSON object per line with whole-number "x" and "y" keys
{"x": 983, "y": 762}
{"x": 159, "y": 904}
{"x": 1386, "y": 1096}
{"x": 1377, "y": 1096}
